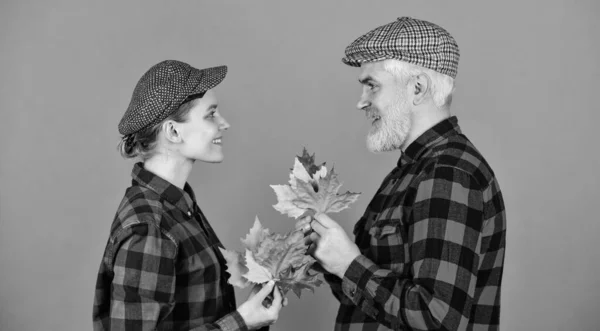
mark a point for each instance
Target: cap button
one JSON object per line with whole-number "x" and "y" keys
{"x": 189, "y": 213}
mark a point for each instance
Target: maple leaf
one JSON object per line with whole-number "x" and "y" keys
{"x": 269, "y": 256}
{"x": 308, "y": 161}
{"x": 279, "y": 253}
{"x": 235, "y": 267}
{"x": 285, "y": 196}
{"x": 298, "y": 279}
{"x": 256, "y": 235}
{"x": 256, "y": 273}
{"x": 311, "y": 190}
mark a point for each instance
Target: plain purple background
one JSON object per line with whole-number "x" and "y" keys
{"x": 527, "y": 96}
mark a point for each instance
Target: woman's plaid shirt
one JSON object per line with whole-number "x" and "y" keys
{"x": 432, "y": 242}
{"x": 162, "y": 269}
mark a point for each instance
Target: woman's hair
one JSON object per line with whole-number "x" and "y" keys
{"x": 442, "y": 86}
{"x": 142, "y": 143}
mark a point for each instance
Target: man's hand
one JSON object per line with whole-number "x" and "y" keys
{"x": 304, "y": 225}
{"x": 331, "y": 247}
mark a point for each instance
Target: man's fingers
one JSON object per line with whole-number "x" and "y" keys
{"x": 307, "y": 241}
{"x": 304, "y": 225}
{"x": 301, "y": 223}
{"x": 318, "y": 268}
{"x": 306, "y": 228}
{"x": 314, "y": 237}
{"x": 318, "y": 227}
{"x": 325, "y": 221}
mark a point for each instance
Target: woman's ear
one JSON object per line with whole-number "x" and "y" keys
{"x": 171, "y": 131}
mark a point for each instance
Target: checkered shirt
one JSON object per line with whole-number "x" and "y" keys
{"x": 162, "y": 269}
{"x": 432, "y": 242}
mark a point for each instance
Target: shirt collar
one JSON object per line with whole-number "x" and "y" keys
{"x": 182, "y": 199}
{"x": 428, "y": 139}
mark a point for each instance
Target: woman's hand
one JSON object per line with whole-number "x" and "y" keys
{"x": 268, "y": 301}
{"x": 261, "y": 310}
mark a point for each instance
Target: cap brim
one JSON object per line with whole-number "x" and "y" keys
{"x": 211, "y": 77}
{"x": 352, "y": 63}
{"x": 361, "y": 59}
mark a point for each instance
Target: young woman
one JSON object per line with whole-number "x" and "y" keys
{"x": 162, "y": 268}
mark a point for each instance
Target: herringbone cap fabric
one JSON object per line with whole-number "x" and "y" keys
{"x": 410, "y": 40}
{"x": 162, "y": 89}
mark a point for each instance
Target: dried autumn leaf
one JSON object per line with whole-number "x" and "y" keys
{"x": 256, "y": 273}
{"x": 299, "y": 279}
{"x": 280, "y": 253}
{"x": 285, "y": 196}
{"x": 270, "y": 256}
{"x": 308, "y": 161}
{"x": 256, "y": 235}
{"x": 235, "y": 267}
{"x": 311, "y": 190}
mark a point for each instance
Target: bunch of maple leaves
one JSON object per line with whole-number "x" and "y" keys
{"x": 312, "y": 190}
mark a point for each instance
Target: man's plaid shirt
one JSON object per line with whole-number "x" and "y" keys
{"x": 432, "y": 242}
{"x": 162, "y": 269}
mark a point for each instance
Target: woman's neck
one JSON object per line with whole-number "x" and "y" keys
{"x": 172, "y": 169}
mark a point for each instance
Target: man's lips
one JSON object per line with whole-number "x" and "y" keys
{"x": 373, "y": 117}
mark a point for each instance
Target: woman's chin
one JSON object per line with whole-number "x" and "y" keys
{"x": 214, "y": 158}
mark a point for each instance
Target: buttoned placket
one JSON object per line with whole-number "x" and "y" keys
{"x": 194, "y": 213}
{"x": 211, "y": 236}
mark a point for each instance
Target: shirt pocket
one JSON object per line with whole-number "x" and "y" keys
{"x": 388, "y": 245}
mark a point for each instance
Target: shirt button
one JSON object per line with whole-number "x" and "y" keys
{"x": 189, "y": 213}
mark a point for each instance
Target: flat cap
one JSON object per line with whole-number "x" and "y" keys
{"x": 162, "y": 89}
{"x": 410, "y": 40}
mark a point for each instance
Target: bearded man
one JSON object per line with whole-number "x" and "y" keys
{"x": 429, "y": 250}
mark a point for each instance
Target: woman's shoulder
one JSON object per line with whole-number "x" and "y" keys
{"x": 139, "y": 206}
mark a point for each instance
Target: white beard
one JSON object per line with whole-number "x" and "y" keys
{"x": 390, "y": 131}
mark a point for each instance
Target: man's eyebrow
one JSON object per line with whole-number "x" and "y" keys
{"x": 213, "y": 106}
{"x": 366, "y": 80}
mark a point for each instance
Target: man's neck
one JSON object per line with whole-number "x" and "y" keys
{"x": 423, "y": 120}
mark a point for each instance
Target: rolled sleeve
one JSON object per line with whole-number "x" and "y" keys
{"x": 232, "y": 322}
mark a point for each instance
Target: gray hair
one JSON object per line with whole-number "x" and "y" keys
{"x": 442, "y": 86}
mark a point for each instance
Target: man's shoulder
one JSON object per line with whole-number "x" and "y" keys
{"x": 459, "y": 153}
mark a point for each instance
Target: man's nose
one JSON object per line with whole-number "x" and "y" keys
{"x": 363, "y": 102}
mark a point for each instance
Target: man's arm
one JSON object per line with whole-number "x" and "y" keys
{"x": 336, "y": 288}
{"x": 444, "y": 242}
{"x": 143, "y": 286}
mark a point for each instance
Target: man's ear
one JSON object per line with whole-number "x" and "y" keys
{"x": 421, "y": 84}
{"x": 171, "y": 131}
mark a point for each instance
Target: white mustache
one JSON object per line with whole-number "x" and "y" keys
{"x": 372, "y": 114}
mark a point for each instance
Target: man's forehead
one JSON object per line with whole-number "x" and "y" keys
{"x": 372, "y": 70}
